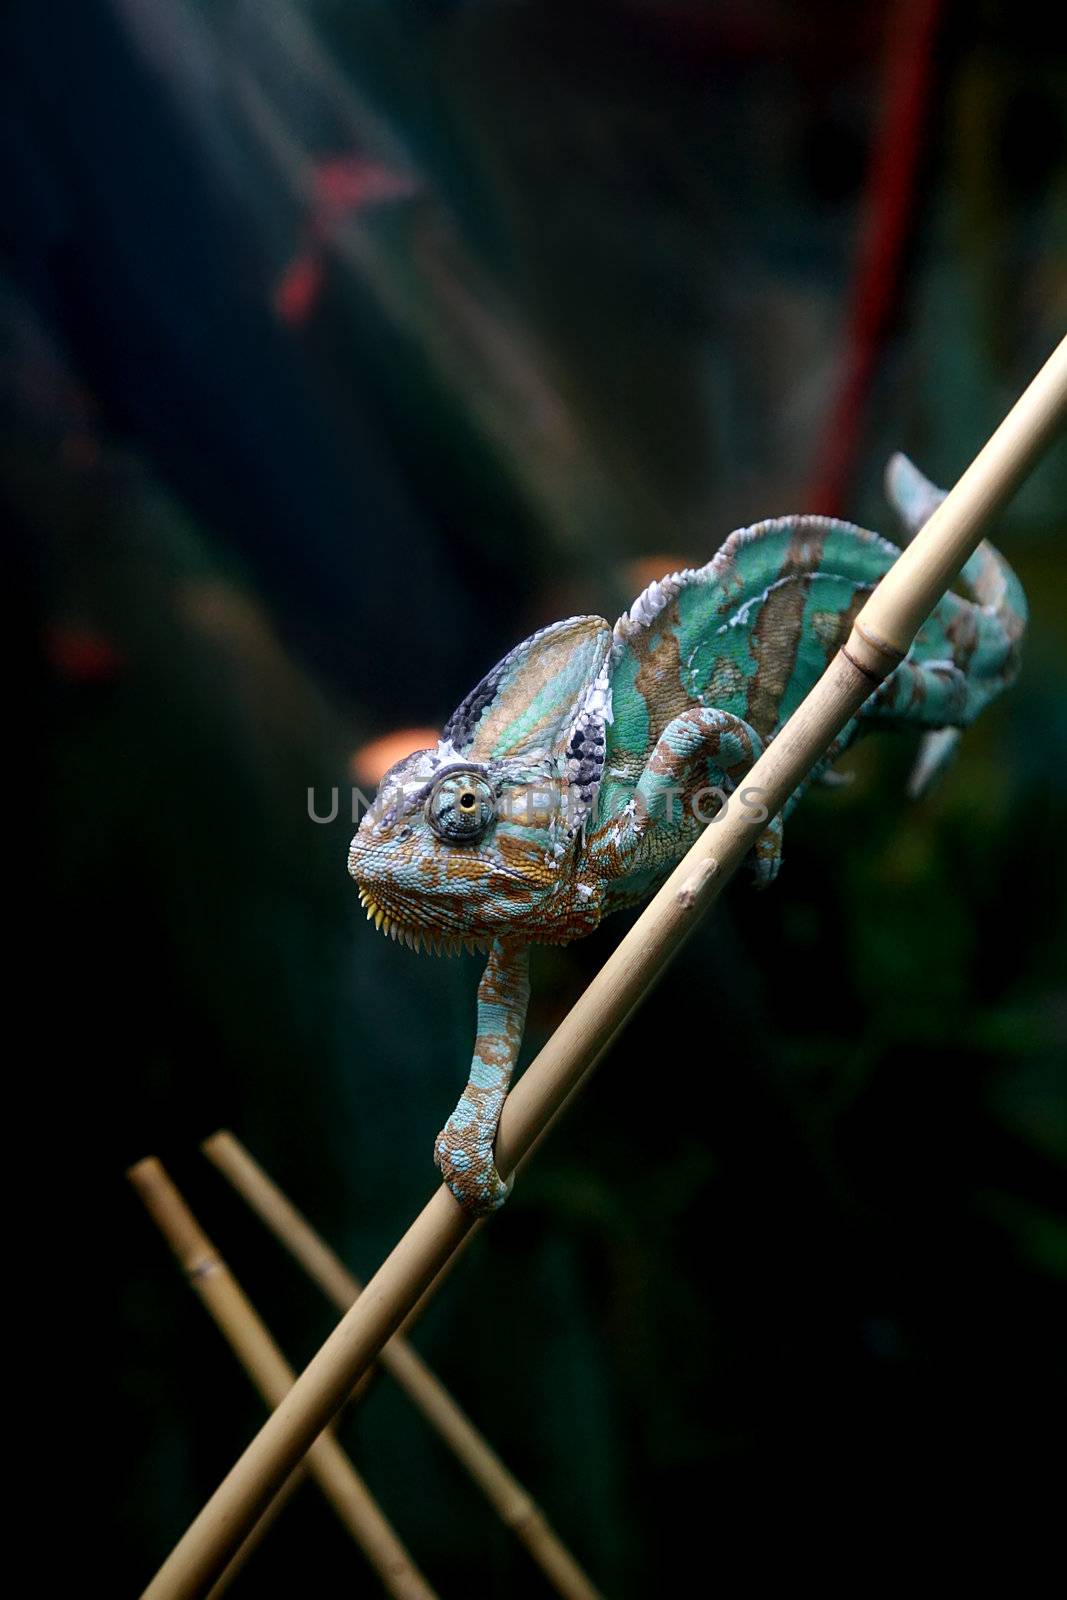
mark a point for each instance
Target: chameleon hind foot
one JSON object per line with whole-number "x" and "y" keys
{"x": 695, "y": 773}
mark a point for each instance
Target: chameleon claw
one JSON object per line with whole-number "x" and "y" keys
{"x": 475, "y": 1183}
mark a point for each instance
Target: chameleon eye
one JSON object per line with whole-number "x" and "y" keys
{"x": 460, "y": 807}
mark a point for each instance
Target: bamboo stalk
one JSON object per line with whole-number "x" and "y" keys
{"x": 511, "y": 1502}
{"x": 881, "y": 635}
{"x": 254, "y": 1539}
{"x": 268, "y": 1369}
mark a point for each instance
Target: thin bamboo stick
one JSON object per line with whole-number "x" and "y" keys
{"x": 292, "y": 1483}
{"x": 511, "y": 1502}
{"x": 881, "y": 635}
{"x": 268, "y": 1369}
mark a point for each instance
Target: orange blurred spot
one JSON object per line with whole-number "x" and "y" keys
{"x": 372, "y": 761}
{"x": 646, "y": 569}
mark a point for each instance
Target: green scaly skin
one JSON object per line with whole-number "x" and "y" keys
{"x": 577, "y": 774}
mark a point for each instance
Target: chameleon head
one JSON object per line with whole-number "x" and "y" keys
{"x": 476, "y": 838}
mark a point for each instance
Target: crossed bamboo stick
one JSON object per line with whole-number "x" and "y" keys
{"x": 327, "y": 1463}
{"x": 880, "y": 637}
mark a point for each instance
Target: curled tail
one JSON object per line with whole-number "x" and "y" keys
{"x": 982, "y": 637}
{"x": 998, "y": 595}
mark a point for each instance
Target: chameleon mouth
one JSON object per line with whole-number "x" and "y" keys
{"x": 416, "y": 938}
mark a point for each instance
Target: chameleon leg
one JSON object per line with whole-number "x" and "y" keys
{"x": 922, "y": 694}
{"x": 464, "y": 1148}
{"x": 932, "y": 695}
{"x": 696, "y": 768}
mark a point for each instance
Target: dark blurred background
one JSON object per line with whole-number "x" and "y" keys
{"x": 343, "y": 345}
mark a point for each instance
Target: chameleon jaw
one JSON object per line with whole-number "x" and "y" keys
{"x": 441, "y": 944}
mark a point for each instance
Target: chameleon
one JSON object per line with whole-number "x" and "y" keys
{"x": 575, "y": 776}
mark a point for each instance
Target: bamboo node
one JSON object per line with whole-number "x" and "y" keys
{"x": 203, "y": 1267}
{"x": 687, "y": 896}
{"x": 873, "y": 656}
{"x": 523, "y": 1516}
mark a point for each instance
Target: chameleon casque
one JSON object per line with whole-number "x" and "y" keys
{"x": 572, "y": 780}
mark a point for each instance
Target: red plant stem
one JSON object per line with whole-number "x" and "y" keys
{"x": 886, "y": 215}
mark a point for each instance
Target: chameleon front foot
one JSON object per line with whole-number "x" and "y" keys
{"x": 463, "y": 1151}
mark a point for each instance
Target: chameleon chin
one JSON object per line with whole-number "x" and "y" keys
{"x": 562, "y": 787}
